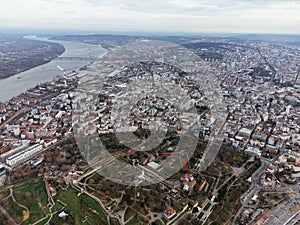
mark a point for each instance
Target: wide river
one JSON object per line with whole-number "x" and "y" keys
{"x": 21, "y": 82}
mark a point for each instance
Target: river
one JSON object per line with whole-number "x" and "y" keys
{"x": 19, "y": 83}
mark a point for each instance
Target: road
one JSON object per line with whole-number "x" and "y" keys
{"x": 108, "y": 214}
{"x": 17, "y": 115}
{"x": 283, "y": 214}
{"x": 212, "y": 149}
{"x": 21, "y": 206}
{"x": 51, "y": 203}
{"x": 297, "y": 76}
{"x": 294, "y": 220}
{"x": 236, "y": 173}
{"x": 267, "y": 62}
{"x": 255, "y": 187}
{"x": 98, "y": 163}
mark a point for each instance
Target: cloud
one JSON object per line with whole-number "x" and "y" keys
{"x": 272, "y": 16}
{"x": 189, "y": 6}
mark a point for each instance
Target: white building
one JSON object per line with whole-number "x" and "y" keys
{"x": 253, "y": 151}
{"x": 14, "y": 151}
{"x": 24, "y": 155}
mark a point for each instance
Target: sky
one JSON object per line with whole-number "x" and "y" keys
{"x": 190, "y": 16}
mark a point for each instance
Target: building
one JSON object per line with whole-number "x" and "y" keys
{"x": 169, "y": 213}
{"x": 52, "y": 190}
{"x": 24, "y": 155}
{"x": 253, "y": 151}
{"x": 153, "y": 165}
{"x": 188, "y": 182}
{"x": 12, "y": 150}
{"x": 62, "y": 215}
{"x": 50, "y": 142}
{"x": 36, "y": 162}
{"x": 245, "y": 132}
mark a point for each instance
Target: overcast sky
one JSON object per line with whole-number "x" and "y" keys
{"x": 237, "y": 16}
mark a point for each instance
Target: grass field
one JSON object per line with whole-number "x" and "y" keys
{"x": 228, "y": 198}
{"x": 137, "y": 220}
{"x": 207, "y": 206}
{"x": 128, "y": 214}
{"x": 13, "y": 209}
{"x": 201, "y": 215}
{"x": 4, "y": 193}
{"x": 33, "y": 195}
{"x": 82, "y": 209}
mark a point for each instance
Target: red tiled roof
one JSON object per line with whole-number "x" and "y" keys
{"x": 170, "y": 212}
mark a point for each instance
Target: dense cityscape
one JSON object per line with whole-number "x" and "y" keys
{"x": 245, "y": 166}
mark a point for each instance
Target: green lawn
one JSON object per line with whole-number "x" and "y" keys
{"x": 114, "y": 222}
{"x": 4, "y": 192}
{"x": 137, "y": 221}
{"x": 33, "y": 195}
{"x": 13, "y": 209}
{"x": 229, "y": 196}
{"x": 159, "y": 222}
{"x": 80, "y": 208}
{"x": 97, "y": 177}
{"x": 43, "y": 221}
{"x": 201, "y": 215}
{"x": 207, "y": 206}
{"x": 128, "y": 214}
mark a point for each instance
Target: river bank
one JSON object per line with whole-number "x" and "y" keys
{"x": 18, "y": 54}
{"x": 19, "y": 83}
